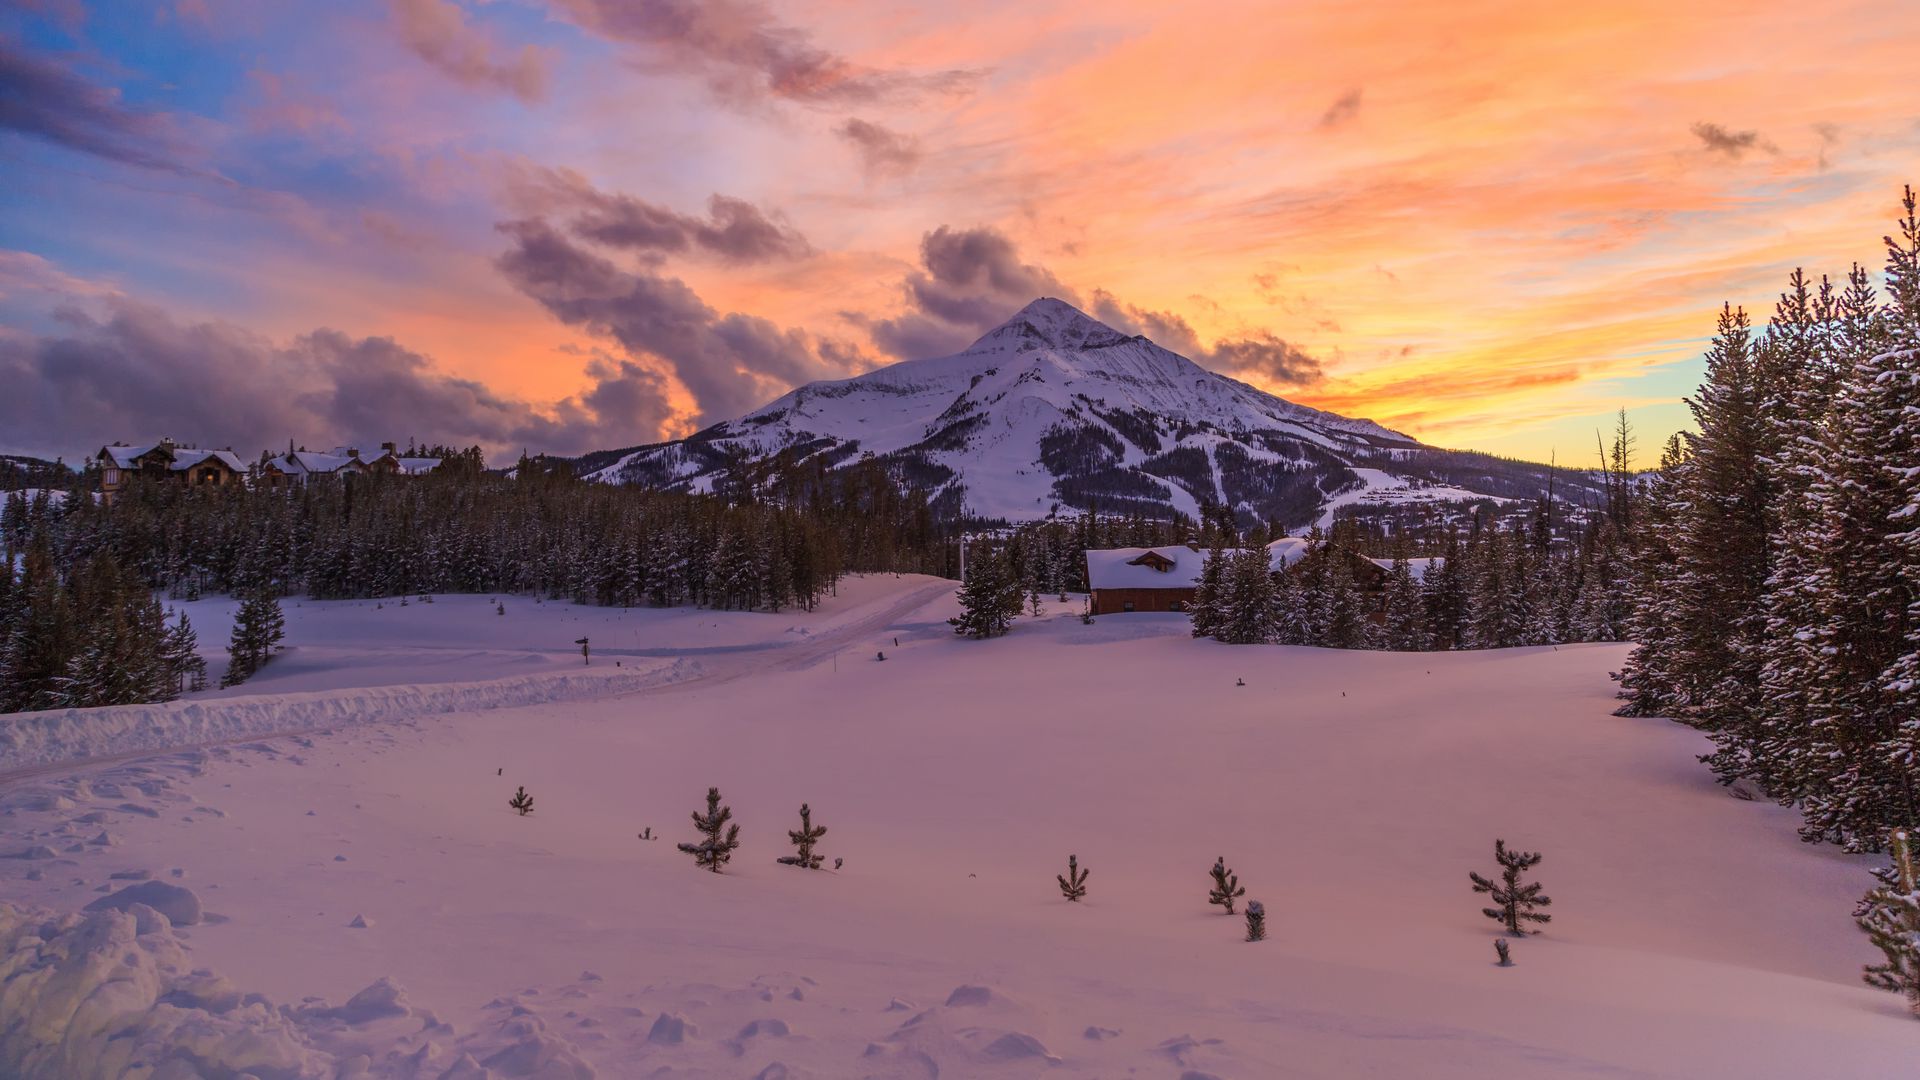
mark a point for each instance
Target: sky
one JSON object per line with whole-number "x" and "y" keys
{"x": 567, "y": 225}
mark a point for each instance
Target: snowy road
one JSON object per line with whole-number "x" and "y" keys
{"x": 35, "y": 745}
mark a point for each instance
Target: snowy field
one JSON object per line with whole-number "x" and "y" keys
{"x": 368, "y": 905}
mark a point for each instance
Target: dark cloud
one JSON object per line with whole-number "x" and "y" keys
{"x": 44, "y": 100}
{"x": 1733, "y": 144}
{"x": 438, "y": 32}
{"x": 970, "y": 281}
{"x": 731, "y": 363}
{"x": 1266, "y": 356}
{"x": 1263, "y": 355}
{"x": 883, "y": 152}
{"x": 735, "y": 230}
{"x": 746, "y": 54}
{"x": 138, "y": 373}
{"x": 1342, "y": 111}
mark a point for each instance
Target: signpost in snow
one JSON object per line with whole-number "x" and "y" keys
{"x": 586, "y": 652}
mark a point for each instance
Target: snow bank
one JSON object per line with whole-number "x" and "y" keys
{"x": 113, "y": 993}
{"x": 48, "y": 738}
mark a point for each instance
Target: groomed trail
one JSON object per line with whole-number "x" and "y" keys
{"x": 57, "y": 742}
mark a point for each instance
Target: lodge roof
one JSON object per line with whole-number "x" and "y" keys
{"x": 181, "y": 458}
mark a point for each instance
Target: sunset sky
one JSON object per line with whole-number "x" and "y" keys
{"x": 580, "y": 224}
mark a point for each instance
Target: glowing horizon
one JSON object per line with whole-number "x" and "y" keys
{"x": 580, "y": 224}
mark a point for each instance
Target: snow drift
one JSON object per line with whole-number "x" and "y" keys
{"x": 48, "y": 738}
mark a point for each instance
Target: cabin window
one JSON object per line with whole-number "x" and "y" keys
{"x": 1176, "y": 605}
{"x": 1126, "y": 605}
{"x": 110, "y": 476}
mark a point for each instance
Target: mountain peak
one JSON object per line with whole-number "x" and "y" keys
{"x": 1049, "y": 323}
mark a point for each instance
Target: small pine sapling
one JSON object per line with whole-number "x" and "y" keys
{"x": 1500, "y": 949}
{"x": 713, "y": 852}
{"x": 521, "y": 802}
{"x": 1892, "y": 923}
{"x": 1516, "y": 900}
{"x": 1226, "y": 885}
{"x": 1073, "y": 883}
{"x": 1256, "y": 921}
{"x": 808, "y": 835}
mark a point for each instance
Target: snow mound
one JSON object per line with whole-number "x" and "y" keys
{"x": 178, "y": 904}
{"x": 54, "y": 737}
{"x": 113, "y": 993}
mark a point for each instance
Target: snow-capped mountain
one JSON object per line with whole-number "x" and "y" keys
{"x": 1054, "y": 410}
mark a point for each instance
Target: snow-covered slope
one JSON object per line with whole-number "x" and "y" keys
{"x": 1053, "y": 409}
{"x": 362, "y": 902}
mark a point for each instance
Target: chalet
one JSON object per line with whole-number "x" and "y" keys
{"x": 167, "y": 462}
{"x": 297, "y": 468}
{"x": 1142, "y": 579}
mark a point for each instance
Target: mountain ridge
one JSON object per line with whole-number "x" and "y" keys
{"x": 1054, "y": 410}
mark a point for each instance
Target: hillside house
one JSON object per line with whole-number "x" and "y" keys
{"x": 165, "y": 461}
{"x": 297, "y": 468}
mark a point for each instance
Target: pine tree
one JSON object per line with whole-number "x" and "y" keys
{"x": 1405, "y": 628}
{"x": 1722, "y": 548}
{"x": 186, "y": 668}
{"x": 1204, "y": 610}
{"x": 1073, "y": 883}
{"x": 1892, "y": 923}
{"x": 1256, "y": 921}
{"x": 257, "y": 632}
{"x": 1245, "y": 612}
{"x": 721, "y": 838}
{"x": 521, "y": 802}
{"x": 1517, "y": 901}
{"x": 990, "y": 598}
{"x": 1226, "y": 886}
{"x": 808, "y": 835}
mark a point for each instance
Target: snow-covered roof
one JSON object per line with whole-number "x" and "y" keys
{"x": 418, "y": 464}
{"x": 124, "y": 456}
{"x": 1418, "y": 566}
{"x": 1126, "y": 568}
{"x": 1286, "y": 551}
{"x": 184, "y": 457}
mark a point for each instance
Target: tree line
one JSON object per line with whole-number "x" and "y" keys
{"x": 1777, "y": 582}
{"x": 82, "y": 622}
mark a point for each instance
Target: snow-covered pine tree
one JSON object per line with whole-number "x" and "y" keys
{"x": 1648, "y": 681}
{"x": 803, "y": 840}
{"x": 1723, "y": 547}
{"x": 1245, "y": 611}
{"x": 1405, "y": 628}
{"x": 1204, "y": 612}
{"x": 522, "y": 803}
{"x": 257, "y": 632}
{"x": 1073, "y": 883}
{"x": 1256, "y": 921}
{"x": 990, "y": 598}
{"x": 1517, "y": 900}
{"x": 1226, "y": 886}
{"x": 1892, "y": 923}
{"x": 186, "y": 669}
{"x": 719, "y": 837}
{"x": 1855, "y": 769}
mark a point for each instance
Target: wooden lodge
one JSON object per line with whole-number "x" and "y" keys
{"x": 1142, "y": 579}
{"x": 166, "y": 462}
